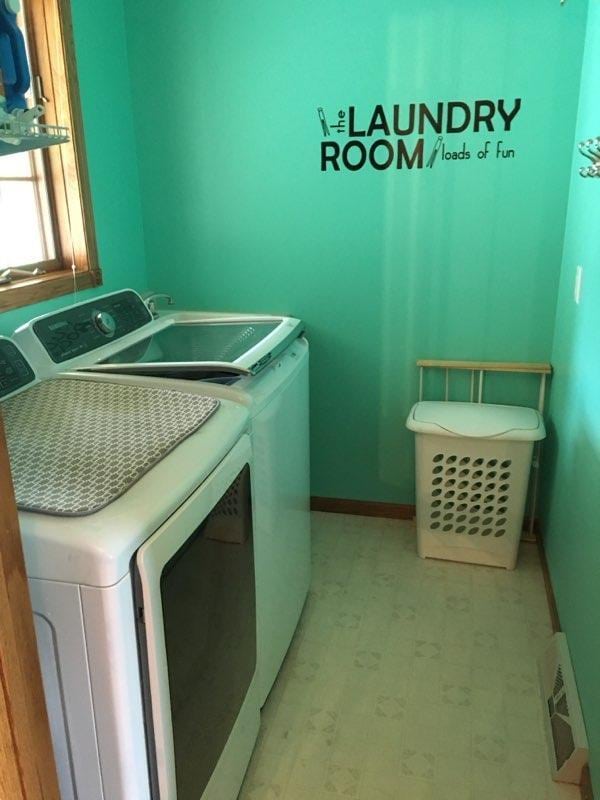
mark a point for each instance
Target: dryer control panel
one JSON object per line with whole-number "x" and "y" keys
{"x": 15, "y": 370}
{"x": 79, "y": 329}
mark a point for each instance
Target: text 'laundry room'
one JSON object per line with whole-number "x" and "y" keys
{"x": 299, "y": 400}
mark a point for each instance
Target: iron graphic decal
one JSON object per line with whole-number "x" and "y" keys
{"x": 415, "y": 136}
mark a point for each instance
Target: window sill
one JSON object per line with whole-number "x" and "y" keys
{"x": 45, "y": 287}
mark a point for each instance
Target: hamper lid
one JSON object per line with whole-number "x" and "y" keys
{"x": 476, "y": 420}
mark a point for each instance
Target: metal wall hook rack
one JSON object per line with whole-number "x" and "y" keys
{"x": 590, "y": 148}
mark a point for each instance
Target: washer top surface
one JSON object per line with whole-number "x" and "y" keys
{"x": 214, "y": 341}
{"x": 116, "y": 333}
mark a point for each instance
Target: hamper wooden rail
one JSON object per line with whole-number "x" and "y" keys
{"x": 27, "y": 769}
{"x": 480, "y": 368}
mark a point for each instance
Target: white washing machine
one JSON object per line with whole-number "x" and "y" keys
{"x": 259, "y": 361}
{"x": 143, "y": 593}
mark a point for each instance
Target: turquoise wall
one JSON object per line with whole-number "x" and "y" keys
{"x": 461, "y": 260}
{"x": 572, "y": 529}
{"x": 105, "y": 95}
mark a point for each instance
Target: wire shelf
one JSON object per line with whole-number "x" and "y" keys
{"x": 17, "y": 137}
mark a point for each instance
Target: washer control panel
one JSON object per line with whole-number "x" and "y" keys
{"x": 79, "y": 329}
{"x": 15, "y": 371}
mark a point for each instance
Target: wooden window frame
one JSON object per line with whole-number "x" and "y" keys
{"x": 52, "y": 47}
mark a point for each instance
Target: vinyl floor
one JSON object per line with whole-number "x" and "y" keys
{"x": 407, "y": 679}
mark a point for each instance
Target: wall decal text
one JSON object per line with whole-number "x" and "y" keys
{"x": 378, "y": 139}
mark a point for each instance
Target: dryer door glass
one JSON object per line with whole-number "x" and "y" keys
{"x": 207, "y": 592}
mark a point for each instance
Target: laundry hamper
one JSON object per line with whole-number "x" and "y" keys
{"x": 472, "y": 470}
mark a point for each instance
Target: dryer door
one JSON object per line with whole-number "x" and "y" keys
{"x": 196, "y": 601}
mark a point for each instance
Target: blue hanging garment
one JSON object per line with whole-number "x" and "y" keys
{"x": 13, "y": 58}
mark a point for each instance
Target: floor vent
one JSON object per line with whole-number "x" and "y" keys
{"x": 563, "y": 720}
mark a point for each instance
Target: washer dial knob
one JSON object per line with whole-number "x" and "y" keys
{"x": 105, "y": 322}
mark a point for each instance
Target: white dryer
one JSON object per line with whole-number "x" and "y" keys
{"x": 138, "y": 542}
{"x": 259, "y": 361}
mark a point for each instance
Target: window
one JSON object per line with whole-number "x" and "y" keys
{"x": 46, "y": 222}
{"x": 27, "y": 235}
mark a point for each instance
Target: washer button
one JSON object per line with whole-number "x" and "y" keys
{"x": 105, "y": 323}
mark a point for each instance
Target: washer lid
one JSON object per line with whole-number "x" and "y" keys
{"x": 476, "y": 420}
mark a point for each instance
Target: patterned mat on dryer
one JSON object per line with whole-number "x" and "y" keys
{"x": 77, "y": 445}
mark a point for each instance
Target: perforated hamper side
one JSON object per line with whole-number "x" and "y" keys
{"x": 471, "y": 496}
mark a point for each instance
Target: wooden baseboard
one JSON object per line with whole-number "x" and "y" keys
{"x": 550, "y": 597}
{"x": 372, "y": 508}
{"x": 363, "y": 508}
{"x": 587, "y": 792}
